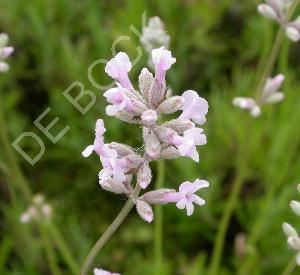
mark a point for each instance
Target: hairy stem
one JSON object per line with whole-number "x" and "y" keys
{"x": 158, "y": 230}
{"x": 108, "y": 233}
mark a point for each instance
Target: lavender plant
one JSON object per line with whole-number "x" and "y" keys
{"x": 162, "y": 140}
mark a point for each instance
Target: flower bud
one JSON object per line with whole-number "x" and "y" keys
{"x": 152, "y": 145}
{"x": 165, "y": 134}
{"x": 131, "y": 162}
{"x": 292, "y": 33}
{"x": 114, "y": 186}
{"x": 295, "y": 205}
{"x": 157, "y": 94}
{"x": 289, "y": 230}
{"x": 3, "y": 39}
{"x": 38, "y": 199}
{"x": 25, "y": 217}
{"x": 127, "y": 117}
{"x": 4, "y": 67}
{"x": 46, "y": 210}
{"x": 137, "y": 106}
{"x": 144, "y": 176}
{"x": 122, "y": 149}
{"x": 298, "y": 258}
{"x": 294, "y": 242}
{"x": 5, "y": 52}
{"x": 179, "y": 125}
{"x": 267, "y": 11}
{"x": 169, "y": 152}
{"x": 149, "y": 117}
{"x": 255, "y": 111}
{"x": 170, "y": 105}
{"x": 146, "y": 81}
{"x": 157, "y": 196}
{"x": 298, "y": 187}
{"x": 275, "y": 98}
{"x": 144, "y": 210}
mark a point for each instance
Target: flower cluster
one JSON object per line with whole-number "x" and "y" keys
{"x": 5, "y": 52}
{"x": 166, "y": 140}
{"x": 154, "y": 35}
{"x": 269, "y": 95}
{"x": 39, "y": 209}
{"x": 278, "y": 10}
{"x": 291, "y": 233}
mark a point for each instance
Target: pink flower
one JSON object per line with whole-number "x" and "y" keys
{"x": 100, "y": 271}
{"x": 194, "y": 108}
{"x": 117, "y": 97}
{"x": 118, "y": 68}
{"x": 163, "y": 61}
{"x": 186, "y": 197}
{"x": 5, "y": 52}
{"x": 112, "y": 166}
{"x": 187, "y": 144}
{"x": 99, "y": 140}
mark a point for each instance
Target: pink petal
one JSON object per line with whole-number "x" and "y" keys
{"x": 196, "y": 199}
{"x": 189, "y": 208}
{"x": 88, "y": 151}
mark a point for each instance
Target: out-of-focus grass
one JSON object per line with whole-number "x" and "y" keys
{"x": 218, "y": 46}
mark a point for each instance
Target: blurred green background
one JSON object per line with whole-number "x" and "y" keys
{"x": 219, "y": 46}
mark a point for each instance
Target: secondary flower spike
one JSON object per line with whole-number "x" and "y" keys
{"x": 100, "y": 271}
{"x": 270, "y": 94}
{"x": 277, "y": 10}
{"x": 5, "y": 51}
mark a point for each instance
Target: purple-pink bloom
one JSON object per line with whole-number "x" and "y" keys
{"x": 118, "y": 68}
{"x": 112, "y": 166}
{"x": 99, "y": 140}
{"x": 186, "y": 144}
{"x": 186, "y": 195}
{"x": 194, "y": 108}
{"x": 100, "y": 271}
{"x": 162, "y": 60}
{"x": 117, "y": 97}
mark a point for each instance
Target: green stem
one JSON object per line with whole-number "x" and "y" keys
{"x": 229, "y": 208}
{"x": 11, "y": 157}
{"x": 72, "y": 264}
{"x": 158, "y": 227}
{"x": 290, "y": 267}
{"x": 50, "y": 253}
{"x": 109, "y": 232}
{"x": 21, "y": 181}
{"x": 241, "y": 168}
